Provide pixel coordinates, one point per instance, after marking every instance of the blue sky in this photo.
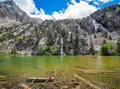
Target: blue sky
(62, 9)
(50, 6)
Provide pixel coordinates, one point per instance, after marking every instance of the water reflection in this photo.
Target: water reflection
(99, 63)
(28, 65)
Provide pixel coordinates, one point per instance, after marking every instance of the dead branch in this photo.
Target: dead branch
(24, 86)
(40, 79)
(95, 71)
(87, 82)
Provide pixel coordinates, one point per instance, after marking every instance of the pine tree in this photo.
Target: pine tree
(110, 37)
(91, 50)
(105, 34)
(104, 41)
(76, 46)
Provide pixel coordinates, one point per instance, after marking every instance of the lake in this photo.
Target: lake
(48, 65)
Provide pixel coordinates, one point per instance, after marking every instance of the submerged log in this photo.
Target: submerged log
(95, 71)
(87, 82)
(40, 79)
(24, 86)
(2, 76)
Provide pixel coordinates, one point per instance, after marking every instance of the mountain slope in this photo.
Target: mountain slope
(109, 18)
(70, 36)
(11, 13)
(8, 9)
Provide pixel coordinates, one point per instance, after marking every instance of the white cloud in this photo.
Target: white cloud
(27, 5)
(41, 15)
(75, 10)
(89, 0)
(98, 1)
(73, 1)
(105, 1)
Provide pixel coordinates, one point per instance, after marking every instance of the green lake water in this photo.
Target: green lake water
(42, 65)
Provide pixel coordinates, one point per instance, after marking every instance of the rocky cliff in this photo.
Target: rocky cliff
(21, 34)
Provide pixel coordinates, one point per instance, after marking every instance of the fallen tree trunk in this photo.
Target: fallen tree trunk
(95, 71)
(87, 82)
(40, 79)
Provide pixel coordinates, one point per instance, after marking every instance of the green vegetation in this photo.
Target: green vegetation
(3, 37)
(42, 50)
(118, 9)
(108, 49)
(105, 34)
(54, 50)
(110, 37)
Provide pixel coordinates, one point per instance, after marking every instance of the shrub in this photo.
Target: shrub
(118, 9)
(42, 49)
(4, 36)
(54, 50)
(108, 49)
(105, 34)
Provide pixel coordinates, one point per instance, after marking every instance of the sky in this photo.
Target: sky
(62, 9)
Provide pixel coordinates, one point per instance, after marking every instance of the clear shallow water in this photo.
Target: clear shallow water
(64, 67)
(38, 65)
